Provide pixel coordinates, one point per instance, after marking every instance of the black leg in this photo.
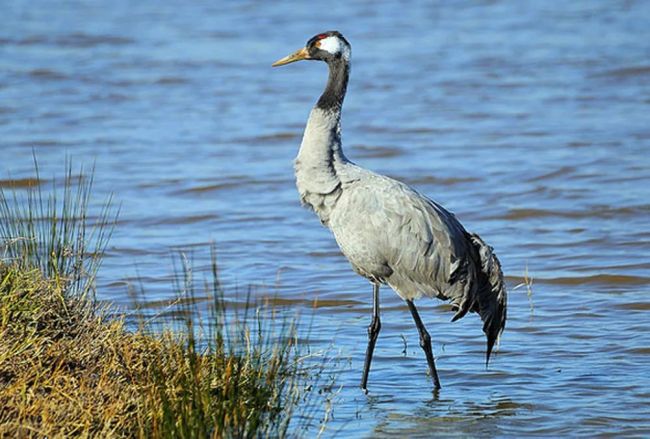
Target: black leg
(425, 343)
(373, 333)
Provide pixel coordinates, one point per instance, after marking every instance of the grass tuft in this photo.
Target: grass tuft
(69, 367)
(53, 231)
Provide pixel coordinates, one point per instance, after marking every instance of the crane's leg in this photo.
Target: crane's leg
(425, 343)
(373, 333)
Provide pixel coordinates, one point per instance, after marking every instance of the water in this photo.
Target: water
(528, 120)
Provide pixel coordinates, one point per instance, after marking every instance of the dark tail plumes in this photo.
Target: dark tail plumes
(491, 292)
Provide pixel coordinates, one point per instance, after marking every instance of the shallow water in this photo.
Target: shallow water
(529, 121)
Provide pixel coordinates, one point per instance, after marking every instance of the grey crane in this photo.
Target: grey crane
(390, 233)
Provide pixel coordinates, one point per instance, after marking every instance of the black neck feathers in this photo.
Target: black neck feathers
(337, 83)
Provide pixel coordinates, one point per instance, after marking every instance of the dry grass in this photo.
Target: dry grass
(68, 369)
(63, 370)
(528, 283)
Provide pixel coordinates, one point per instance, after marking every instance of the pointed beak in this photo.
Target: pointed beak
(298, 55)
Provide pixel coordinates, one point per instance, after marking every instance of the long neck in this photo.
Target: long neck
(320, 152)
(322, 139)
(337, 84)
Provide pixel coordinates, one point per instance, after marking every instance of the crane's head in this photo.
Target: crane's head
(327, 46)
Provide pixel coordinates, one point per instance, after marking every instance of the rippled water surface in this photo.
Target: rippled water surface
(529, 120)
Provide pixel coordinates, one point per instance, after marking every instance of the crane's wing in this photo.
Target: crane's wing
(427, 243)
(392, 233)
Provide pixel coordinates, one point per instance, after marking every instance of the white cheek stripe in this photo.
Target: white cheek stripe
(333, 45)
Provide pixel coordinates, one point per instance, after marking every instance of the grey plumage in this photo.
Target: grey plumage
(390, 233)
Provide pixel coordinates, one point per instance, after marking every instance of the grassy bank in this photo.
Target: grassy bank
(67, 369)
